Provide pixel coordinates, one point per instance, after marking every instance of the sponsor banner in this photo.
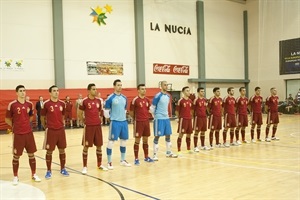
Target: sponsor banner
(104, 68)
(159, 68)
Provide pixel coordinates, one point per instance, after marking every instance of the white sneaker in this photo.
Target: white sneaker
(35, 178)
(155, 158)
(211, 147)
(102, 168)
(268, 140)
(260, 140)
(246, 141)
(253, 140)
(15, 180)
(219, 146)
(275, 138)
(234, 144)
(196, 149)
(238, 142)
(110, 166)
(125, 163)
(226, 145)
(84, 171)
(204, 148)
(171, 155)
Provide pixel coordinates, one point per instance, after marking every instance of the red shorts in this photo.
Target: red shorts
(68, 115)
(229, 120)
(92, 135)
(215, 122)
(141, 128)
(55, 137)
(200, 124)
(21, 141)
(242, 120)
(185, 126)
(256, 118)
(272, 118)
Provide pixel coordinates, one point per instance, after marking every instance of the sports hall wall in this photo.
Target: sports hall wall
(26, 35)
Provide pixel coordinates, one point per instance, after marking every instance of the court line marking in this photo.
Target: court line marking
(243, 166)
(109, 183)
(78, 172)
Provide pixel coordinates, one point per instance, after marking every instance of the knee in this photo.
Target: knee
(110, 144)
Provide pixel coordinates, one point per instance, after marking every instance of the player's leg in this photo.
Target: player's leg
(188, 142)
(225, 130)
(15, 165)
(274, 129)
(169, 153)
(136, 147)
(196, 149)
(62, 159)
(31, 149)
(237, 134)
(48, 159)
(109, 148)
(123, 138)
(179, 140)
(155, 148)
(146, 149)
(99, 158)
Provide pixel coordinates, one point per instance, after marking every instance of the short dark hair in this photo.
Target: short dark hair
(140, 85)
(184, 88)
(215, 89)
(256, 88)
(116, 81)
(272, 88)
(18, 87)
(241, 88)
(200, 88)
(89, 87)
(230, 88)
(50, 88)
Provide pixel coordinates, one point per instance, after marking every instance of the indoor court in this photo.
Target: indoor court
(263, 170)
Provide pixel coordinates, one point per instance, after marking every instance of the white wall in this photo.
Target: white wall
(224, 39)
(170, 48)
(86, 41)
(26, 34)
(270, 22)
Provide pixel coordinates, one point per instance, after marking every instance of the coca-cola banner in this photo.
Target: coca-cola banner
(171, 69)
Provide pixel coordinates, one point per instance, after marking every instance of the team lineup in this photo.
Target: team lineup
(193, 116)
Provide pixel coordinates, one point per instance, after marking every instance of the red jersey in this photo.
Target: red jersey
(200, 105)
(20, 114)
(184, 107)
(241, 105)
(215, 106)
(92, 109)
(69, 106)
(272, 103)
(229, 105)
(54, 112)
(256, 102)
(140, 107)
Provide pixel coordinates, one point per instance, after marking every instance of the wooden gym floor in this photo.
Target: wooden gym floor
(250, 171)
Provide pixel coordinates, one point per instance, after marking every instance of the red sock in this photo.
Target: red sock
(99, 157)
(179, 144)
(217, 134)
(237, 134)
(188, 143)
(15, 164)
(32, 164)
(243, 134)
(258, 132)
(211, 137)
(48, 160)
(195, 140)
(274, 131)
(231, 135)
(224, 135)
(146, 149)
(252, 133)
(136, 150)
(202, 138)
(62, 159)
(84, 157)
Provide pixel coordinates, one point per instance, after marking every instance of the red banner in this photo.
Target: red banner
(171, 69)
